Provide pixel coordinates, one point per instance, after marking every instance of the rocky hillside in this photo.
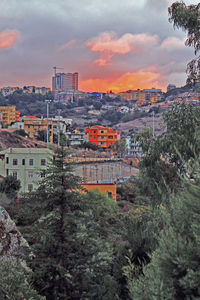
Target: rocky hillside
(11, 240)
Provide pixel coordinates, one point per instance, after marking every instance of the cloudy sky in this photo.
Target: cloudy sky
(113, 44)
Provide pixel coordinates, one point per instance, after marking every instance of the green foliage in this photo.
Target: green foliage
(174, 271)
(119, 147)
(10, 186)
(21, 132)
(73, 256)
(41, 135)
(63, 139)
(165, 157)
(15, 282)
(89, 145)
(110, 115)
(187, 18)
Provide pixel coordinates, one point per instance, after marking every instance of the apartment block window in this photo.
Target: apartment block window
(23, 162)
(30, 187)
(7, 160)
(15, 174)
(30, 162)
(43, 162)
(7, 172)
(30, 174)
(14, 162)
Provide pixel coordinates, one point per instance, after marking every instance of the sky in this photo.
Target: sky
(113, 44)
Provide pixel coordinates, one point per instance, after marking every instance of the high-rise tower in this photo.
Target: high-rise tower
(65, 81)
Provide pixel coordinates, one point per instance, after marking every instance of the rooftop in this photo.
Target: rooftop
(26, 151)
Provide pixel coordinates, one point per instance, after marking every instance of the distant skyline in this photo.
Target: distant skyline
(113, 45)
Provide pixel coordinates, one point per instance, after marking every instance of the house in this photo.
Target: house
(102, 136)
(75, 137)
(108, 189)
(26, 164)
(9, 114)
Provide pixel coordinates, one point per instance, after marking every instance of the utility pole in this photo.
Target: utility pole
(47, 102)
(58, 131)
(153, 125)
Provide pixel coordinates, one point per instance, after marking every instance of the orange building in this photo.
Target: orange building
(108, 189)
(102, 136)
(9, 114)
(33, 125)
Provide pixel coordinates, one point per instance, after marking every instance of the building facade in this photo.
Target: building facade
(65, 81)
(9, 114)
(102, 136)
(108, 189)
(75, 137)
(33, 126)
(26, 164)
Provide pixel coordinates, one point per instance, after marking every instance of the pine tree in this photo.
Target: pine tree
(15, 281)
(72, 260)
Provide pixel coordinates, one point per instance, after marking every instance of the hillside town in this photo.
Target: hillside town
(99, 150)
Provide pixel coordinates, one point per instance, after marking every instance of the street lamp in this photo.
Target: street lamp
(48, 102)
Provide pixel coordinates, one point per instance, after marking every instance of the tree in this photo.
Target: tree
(10, 186)
(174, 270)
(165, 157)
(15, 282)
(71, 260)
(119, 147)
(188, 18)
(41, 135)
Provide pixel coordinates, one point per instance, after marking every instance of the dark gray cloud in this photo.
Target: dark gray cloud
(45, 26)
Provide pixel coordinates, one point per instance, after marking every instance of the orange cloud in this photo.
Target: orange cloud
(145, 78)
(8, 38)
(108, 44)
(67, 45)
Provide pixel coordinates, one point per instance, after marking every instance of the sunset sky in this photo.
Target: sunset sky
(113, 44)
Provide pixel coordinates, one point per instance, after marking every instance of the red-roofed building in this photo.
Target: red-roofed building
(29, 118)
(102, 136)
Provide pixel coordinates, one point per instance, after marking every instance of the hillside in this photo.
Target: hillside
(9, 139)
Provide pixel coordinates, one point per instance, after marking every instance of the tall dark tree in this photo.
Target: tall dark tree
(72, 260)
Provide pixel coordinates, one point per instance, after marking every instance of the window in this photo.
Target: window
(30, 174)
(7, 172)
(30, 187)
(14, 162)
(30, 162)
(43, 162)
(15, 174)
(7, 160)
(23, 162)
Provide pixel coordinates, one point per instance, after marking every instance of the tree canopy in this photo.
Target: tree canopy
(188, 19)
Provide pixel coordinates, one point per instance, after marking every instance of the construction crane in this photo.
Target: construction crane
(55, 68)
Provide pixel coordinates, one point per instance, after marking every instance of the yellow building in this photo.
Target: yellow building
(154, 99)
(33, 125)
(9, 114)
(108, 189)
